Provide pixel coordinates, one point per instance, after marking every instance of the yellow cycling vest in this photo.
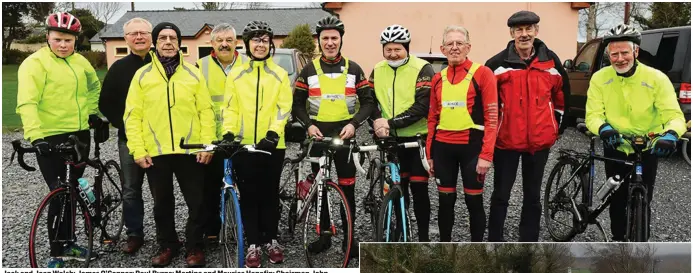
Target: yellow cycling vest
(454, 115)
(216, 82)
(395, 89)
(335, 101)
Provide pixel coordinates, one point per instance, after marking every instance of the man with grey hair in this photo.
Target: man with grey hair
(462, 122)
(531, 86)
(629, 98)
(214, 69)
(138, 36)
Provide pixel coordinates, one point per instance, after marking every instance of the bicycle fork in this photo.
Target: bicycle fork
(394, 174)
(326, 173)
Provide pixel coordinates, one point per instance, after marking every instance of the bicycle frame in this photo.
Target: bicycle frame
(230, 186)
(587, 162)
(325, 162)
(392, 164)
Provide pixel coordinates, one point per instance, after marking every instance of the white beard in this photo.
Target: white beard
(621, 71)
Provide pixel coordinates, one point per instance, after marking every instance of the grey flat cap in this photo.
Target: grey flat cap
(523, 18)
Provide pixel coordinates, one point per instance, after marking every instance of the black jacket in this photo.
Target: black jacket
(115, 89)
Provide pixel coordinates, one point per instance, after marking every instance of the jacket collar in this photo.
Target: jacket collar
(540, 49)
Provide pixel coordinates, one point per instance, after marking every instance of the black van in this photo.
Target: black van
(667, 49)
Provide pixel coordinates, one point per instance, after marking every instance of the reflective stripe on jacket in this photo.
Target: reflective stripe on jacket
(160, 111)
(56, 95)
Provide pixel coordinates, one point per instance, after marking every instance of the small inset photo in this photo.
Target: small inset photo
(526, 258)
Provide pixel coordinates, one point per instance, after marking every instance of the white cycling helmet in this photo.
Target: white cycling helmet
(395, 34)
(623, 32)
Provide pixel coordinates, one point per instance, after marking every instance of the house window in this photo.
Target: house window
(185, 50)
(121, 51)
(204, 51)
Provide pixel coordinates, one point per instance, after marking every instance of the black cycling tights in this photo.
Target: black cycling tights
(448, 159)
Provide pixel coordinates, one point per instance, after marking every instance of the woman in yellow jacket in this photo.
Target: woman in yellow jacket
(258, 101)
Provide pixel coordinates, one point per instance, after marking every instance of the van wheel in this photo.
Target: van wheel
(686, 151)
(569, 121)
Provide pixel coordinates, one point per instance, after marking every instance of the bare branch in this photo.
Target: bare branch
(105, 11)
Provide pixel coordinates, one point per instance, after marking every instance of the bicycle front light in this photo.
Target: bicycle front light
(337, 141)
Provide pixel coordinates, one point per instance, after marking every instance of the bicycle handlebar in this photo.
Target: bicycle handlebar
(388, 143)
(634, 141)
(71, 147)
(221, 146)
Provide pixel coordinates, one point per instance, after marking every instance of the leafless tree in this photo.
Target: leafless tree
(621, 258)
(596, 20)
(555, 258)
(215, 5)
(105, 11)
(257, 5)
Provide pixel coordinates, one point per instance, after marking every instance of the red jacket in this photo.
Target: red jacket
(530, 98)
(482, 105)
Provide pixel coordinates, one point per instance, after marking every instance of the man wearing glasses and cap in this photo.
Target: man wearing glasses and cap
(531, 86)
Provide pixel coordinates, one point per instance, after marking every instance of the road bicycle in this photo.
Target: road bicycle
(323, 201)
(570, 190)
(103, 216)
(231, 238)
(390, 219)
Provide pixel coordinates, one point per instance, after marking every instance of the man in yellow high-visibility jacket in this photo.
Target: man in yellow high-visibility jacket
(214, 69)
(632, 99)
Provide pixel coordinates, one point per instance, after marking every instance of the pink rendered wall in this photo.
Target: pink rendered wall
(486, 23)
(193, 45)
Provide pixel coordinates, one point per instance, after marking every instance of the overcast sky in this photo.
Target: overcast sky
(662, 248)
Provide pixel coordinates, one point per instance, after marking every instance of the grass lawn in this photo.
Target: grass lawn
(10, 119)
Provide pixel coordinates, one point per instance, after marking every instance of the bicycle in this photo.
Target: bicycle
(231, 233)
(388, 226)
(581, 172)
(99, 215)
(322, 194)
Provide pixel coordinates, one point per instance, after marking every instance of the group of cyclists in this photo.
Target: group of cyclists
(472, 115)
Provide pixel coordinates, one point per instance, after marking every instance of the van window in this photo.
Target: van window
(583, 62)
(658, 51)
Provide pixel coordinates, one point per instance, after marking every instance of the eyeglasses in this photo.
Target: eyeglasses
(163, 38)
(452, 44)
(260, 41)
(136, 33)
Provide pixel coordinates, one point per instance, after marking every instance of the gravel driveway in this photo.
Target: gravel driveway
(21, 192)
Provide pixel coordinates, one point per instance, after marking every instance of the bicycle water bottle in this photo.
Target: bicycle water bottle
(304, 186)
(609, 186)
(86, 189)
(386, 188)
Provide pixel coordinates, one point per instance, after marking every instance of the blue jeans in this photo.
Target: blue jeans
(133, 205)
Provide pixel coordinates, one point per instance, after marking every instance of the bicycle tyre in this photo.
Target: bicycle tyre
(387, 231)
(560, 201)
(638, 218)
(287, 201)
(340, 258)
(57, 195)
(686, 151)
(374, 210)
(231, 233)
(112, 202)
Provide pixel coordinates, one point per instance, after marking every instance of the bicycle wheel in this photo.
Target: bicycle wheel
(559, 218)
(58, 206)
(111, 207)
(231, 233)
(329, 245)
(375, 196)
(686, 150)
(637, 213)
(287, 201)
(393, 219)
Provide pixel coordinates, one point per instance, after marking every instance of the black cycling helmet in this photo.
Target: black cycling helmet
(256, 28)
(623, 32)
(330, 22)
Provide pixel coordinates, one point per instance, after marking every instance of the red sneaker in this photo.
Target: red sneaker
(252, 259)
(275, 252)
